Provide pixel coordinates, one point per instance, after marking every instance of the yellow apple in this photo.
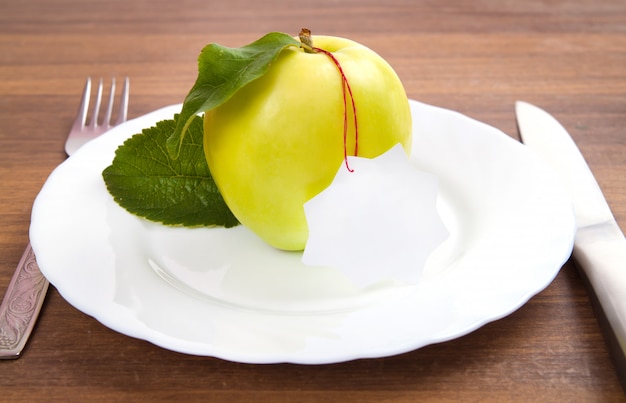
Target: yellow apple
(279, 140)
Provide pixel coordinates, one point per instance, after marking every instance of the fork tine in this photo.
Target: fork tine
(81, 115)
(106, 123)
(96, 108)
(123, 111)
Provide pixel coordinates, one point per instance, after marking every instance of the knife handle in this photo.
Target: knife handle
(21, 305)
(601, 251)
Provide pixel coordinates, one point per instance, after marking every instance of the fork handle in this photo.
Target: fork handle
(21, 305)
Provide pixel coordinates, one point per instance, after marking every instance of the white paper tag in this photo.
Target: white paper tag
(375, 223)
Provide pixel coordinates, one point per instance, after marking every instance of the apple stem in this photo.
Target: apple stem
(307, 44)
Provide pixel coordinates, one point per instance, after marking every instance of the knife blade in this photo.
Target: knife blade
(599, 244)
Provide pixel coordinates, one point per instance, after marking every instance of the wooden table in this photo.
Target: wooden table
(476, 57)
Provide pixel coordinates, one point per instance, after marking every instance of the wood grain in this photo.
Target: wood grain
(477, 57)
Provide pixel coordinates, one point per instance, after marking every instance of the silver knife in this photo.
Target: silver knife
(599, 245)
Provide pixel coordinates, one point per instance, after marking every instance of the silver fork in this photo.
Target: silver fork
(81, 133)
(24, 297)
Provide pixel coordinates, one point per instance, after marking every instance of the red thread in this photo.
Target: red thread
(344, 85)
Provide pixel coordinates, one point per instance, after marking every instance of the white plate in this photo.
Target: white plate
(224, 293)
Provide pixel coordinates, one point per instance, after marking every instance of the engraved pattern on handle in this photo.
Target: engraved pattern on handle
(21, 305)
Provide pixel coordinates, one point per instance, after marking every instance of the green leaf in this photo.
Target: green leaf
(146, 181)
(222, 71)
